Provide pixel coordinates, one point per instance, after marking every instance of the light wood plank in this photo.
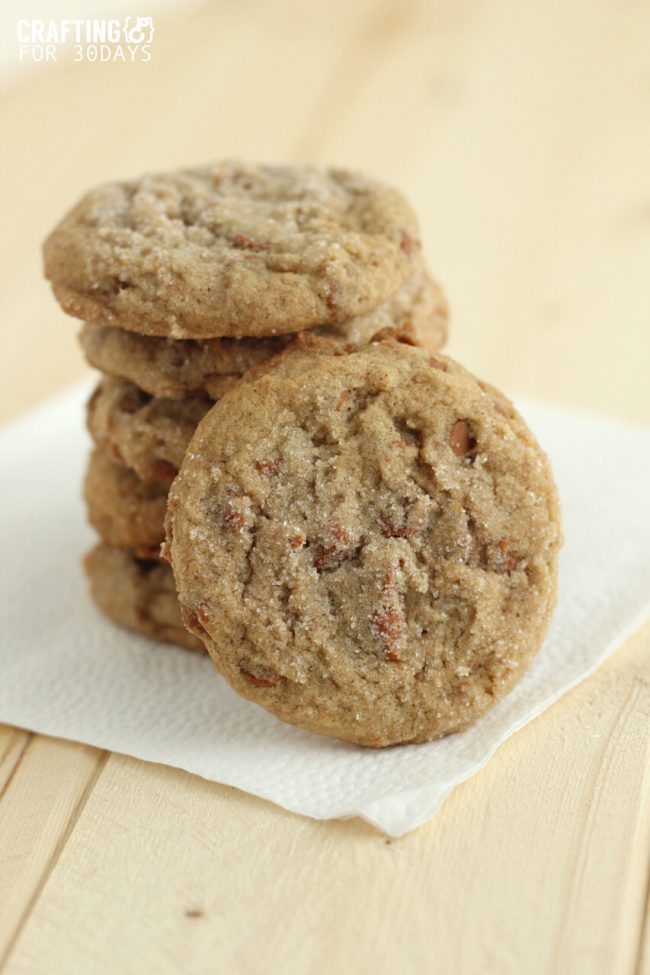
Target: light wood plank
(39, 804)
(643, 955)
(13, 742)
(520, 131)
(537, 865)
(534, 213)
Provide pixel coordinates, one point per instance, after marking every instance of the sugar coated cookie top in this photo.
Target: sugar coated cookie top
(366, 541)
(232, 249)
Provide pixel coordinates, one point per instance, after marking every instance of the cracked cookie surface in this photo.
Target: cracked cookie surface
(145, 433)
(124, 510)
(232, 249)
(138, 594)
(174, 368)
(376, 560)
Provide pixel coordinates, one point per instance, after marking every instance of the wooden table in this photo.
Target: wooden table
(521, 132)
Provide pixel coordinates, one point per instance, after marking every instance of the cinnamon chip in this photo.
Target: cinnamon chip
(270, 681)
(461, 439)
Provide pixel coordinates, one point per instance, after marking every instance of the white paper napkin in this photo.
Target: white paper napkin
(66, 671)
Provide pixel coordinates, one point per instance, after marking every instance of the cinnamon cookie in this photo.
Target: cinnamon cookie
(124, 510)
(232, 249)
(174, 368)
(147, 434)
(138, 594)
(376, 559)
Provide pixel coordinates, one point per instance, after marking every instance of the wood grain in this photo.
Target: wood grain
(520, 131)
(642, 966)
(13, 743)
(45, 785)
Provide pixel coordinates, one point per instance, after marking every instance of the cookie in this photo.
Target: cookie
(232, 249)
(376, 560)
(124, 510)
(176, 368)
(147, 434)
(138, 594)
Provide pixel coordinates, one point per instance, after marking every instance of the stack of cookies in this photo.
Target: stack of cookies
(362, 534)
(184, 282)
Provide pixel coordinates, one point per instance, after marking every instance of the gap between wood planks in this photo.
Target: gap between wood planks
(642, 964)
(59, 846)
(13, 764)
